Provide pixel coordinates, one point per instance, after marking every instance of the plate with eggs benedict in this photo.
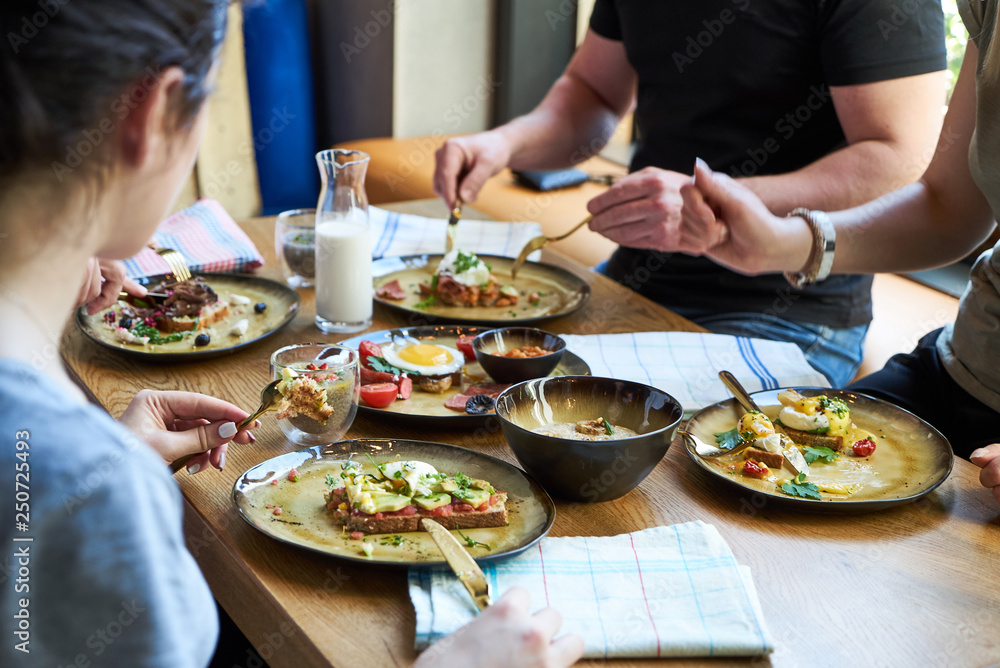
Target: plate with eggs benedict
(821, 449)
(465, 288)
(430, 376)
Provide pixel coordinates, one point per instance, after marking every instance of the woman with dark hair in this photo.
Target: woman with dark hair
(101, 115)
(952, 378)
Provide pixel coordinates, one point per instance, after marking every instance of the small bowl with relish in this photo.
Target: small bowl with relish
(515, 354)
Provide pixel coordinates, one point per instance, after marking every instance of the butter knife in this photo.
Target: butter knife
(452, 230)
(468, 571)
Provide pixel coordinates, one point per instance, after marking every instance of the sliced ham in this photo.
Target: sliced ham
(457, 402)
(491, 389)
(391, 290)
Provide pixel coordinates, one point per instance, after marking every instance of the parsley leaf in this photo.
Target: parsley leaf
(799, 487)
(727, 440)
(472, 543)
(607, 428)
(379, 364)
(463, 480)
(814, 454)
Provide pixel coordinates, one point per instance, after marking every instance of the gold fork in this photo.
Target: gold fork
(176, 262)
(541, 242)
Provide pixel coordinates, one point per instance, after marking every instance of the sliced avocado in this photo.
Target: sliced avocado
(482, 484)
(433, 501)
(449, 485)
(474, 497)
(387, 502)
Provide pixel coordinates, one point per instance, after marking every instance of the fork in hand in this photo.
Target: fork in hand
(539, 243)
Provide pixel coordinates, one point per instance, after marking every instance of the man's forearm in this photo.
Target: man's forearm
(846, 178)
(570, 125)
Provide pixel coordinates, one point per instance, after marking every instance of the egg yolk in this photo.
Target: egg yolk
(425, 354)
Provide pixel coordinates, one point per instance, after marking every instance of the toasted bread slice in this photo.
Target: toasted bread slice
(496, 516)
(814, 440)
(774, 460)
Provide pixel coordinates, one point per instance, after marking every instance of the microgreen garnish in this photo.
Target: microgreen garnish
(154, 335)
(472, 543)
(395, 541)
(426, 303)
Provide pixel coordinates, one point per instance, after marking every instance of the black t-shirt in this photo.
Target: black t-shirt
(744, 84)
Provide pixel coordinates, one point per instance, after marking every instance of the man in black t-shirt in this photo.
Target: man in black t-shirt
(823, 104)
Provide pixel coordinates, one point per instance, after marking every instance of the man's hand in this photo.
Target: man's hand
(506, 635)
(643, 210)
(180, 423)
(463, 165)
(988, 459)
(103, 283)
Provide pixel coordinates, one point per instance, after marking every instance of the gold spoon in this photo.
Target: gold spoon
(269, 397)
(540, 242)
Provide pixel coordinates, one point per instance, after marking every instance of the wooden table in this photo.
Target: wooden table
(910, 586)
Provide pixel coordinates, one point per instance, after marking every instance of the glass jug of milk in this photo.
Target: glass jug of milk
(343, 244)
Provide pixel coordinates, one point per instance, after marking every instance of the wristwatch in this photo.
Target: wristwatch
(824, 245)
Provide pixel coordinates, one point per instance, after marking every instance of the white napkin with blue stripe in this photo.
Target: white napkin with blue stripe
(395, 234)
(665, 591)
(686, 365)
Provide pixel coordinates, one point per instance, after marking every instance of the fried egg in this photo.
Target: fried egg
(428, 359)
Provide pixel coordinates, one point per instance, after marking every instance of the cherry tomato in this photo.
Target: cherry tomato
(864, 448)
(755, 469)
(465, 345)
(379, 395)
(368, 349)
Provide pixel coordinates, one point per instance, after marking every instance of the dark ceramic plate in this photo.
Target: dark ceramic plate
(424, 409)
(588, 471)
(304, 522)
(560, 292)
(911, 457)
(282, 306)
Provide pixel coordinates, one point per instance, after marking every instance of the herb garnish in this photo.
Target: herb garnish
(463, 480)
(814, 454)
(471, 542)
(395, 541)
(380, 467)
(727, 440)
(379, 364)
(331, 481)
(434, 282)
(799, 487)
(607, 428)
(154, 334)
(426, 303)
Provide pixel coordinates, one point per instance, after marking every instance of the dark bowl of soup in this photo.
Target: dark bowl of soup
(588, 439)
(514, 354)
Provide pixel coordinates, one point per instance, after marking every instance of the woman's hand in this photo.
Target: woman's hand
(737, 231)
(180, 423)
(103, 283)
(506, 635)
(988, 459)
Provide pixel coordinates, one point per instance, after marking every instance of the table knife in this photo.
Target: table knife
(452, 231)
(468, 571)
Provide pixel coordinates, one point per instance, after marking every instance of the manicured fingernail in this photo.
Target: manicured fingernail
(194, 468)
(977, 453)
(256, 424)
(701, 163)
(253, 439)
(227, 430)
(222, 462)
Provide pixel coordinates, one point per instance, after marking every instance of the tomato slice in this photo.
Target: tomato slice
(465, 345)
(379, 395)
(368, 349)
(863, 448)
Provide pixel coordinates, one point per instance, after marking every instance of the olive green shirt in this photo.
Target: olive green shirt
(970, 348)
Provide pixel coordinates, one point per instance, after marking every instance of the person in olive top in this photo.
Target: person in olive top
(104, 577)
(952, 378)
(817, 104)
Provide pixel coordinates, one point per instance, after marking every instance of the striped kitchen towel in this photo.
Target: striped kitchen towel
(662, 592)
(206, 235)
(686, 365)
(395, 234)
